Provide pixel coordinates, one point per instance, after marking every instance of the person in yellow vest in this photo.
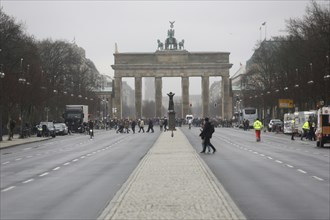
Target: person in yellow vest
(305, 129)
(257, 125)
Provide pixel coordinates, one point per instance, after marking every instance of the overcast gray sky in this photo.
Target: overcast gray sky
(228, 26)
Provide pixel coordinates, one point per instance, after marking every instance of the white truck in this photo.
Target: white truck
(74, 116)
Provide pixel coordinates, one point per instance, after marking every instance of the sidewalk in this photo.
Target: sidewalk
(18, 141)
(172, 182)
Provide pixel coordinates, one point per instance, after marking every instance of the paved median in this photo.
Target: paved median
(172, 182)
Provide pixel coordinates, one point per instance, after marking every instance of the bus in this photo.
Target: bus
(250, 114)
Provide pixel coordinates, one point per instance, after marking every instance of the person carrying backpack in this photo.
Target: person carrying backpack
(206, 135)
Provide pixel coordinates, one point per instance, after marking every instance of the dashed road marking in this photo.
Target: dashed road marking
(67, 163)
(44, 174)
(29, 180)
(7, 189)
(318, 178)
(270, 158)
(288, 165)
(301, 171)
(56, 168)
(4, 163)
(278, 161)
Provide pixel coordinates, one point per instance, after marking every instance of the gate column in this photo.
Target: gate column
(118, 85)
(138, 96)
(158, 96)
(205, 95)
(227, 101)
(185, 95)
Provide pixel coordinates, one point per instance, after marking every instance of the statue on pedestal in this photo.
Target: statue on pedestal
(171, 102)
(171, 113)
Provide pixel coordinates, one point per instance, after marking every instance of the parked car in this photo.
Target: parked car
(61, 129)
(46, 129)
(275, 125)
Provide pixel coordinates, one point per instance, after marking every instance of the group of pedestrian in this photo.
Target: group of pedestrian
(308, 130)
(126, 125)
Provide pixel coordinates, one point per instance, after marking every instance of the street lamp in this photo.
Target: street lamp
(296, 85)
(2, 75)
(311, 81)
(327, 76)
(22, 81)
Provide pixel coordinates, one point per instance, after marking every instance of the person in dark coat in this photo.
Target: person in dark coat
(150, 126)
(206, 135)
(133, 124)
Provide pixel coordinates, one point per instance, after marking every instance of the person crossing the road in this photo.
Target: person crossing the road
(206, 135)
(305, 129)
(257, 125)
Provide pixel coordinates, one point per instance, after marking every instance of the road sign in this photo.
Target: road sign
(285, 103)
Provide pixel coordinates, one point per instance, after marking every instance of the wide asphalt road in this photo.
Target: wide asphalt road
(70, 177)
(273, 179)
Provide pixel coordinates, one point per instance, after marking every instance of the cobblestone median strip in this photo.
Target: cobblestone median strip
(172, 182)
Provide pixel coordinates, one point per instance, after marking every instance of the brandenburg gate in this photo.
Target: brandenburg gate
(172, 61)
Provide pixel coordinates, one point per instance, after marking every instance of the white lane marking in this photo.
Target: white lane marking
(262, 155)
(82, 157)
(270, 158)
(29, 156)
(57, 168)
(318, 178)
(44, 174)
(278, 161)
(28, 148)
(301, 171)
(67, 163)
(6, 163)
(288, 165)
(7, 189)
(18, 159)
(29, 180)
(255, 152)
(75, 160)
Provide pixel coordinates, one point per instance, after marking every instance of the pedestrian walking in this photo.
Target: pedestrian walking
(293, 128)
(11, 126)
(161, 124)
(305, 129)
(141, 125)
(150, 126)
(311, 134)
(206, 135)
(133, 124)
(126, 126)
(257, 125)
(165, 124)
(91, 129)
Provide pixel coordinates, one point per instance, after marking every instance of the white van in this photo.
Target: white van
(323, 126)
